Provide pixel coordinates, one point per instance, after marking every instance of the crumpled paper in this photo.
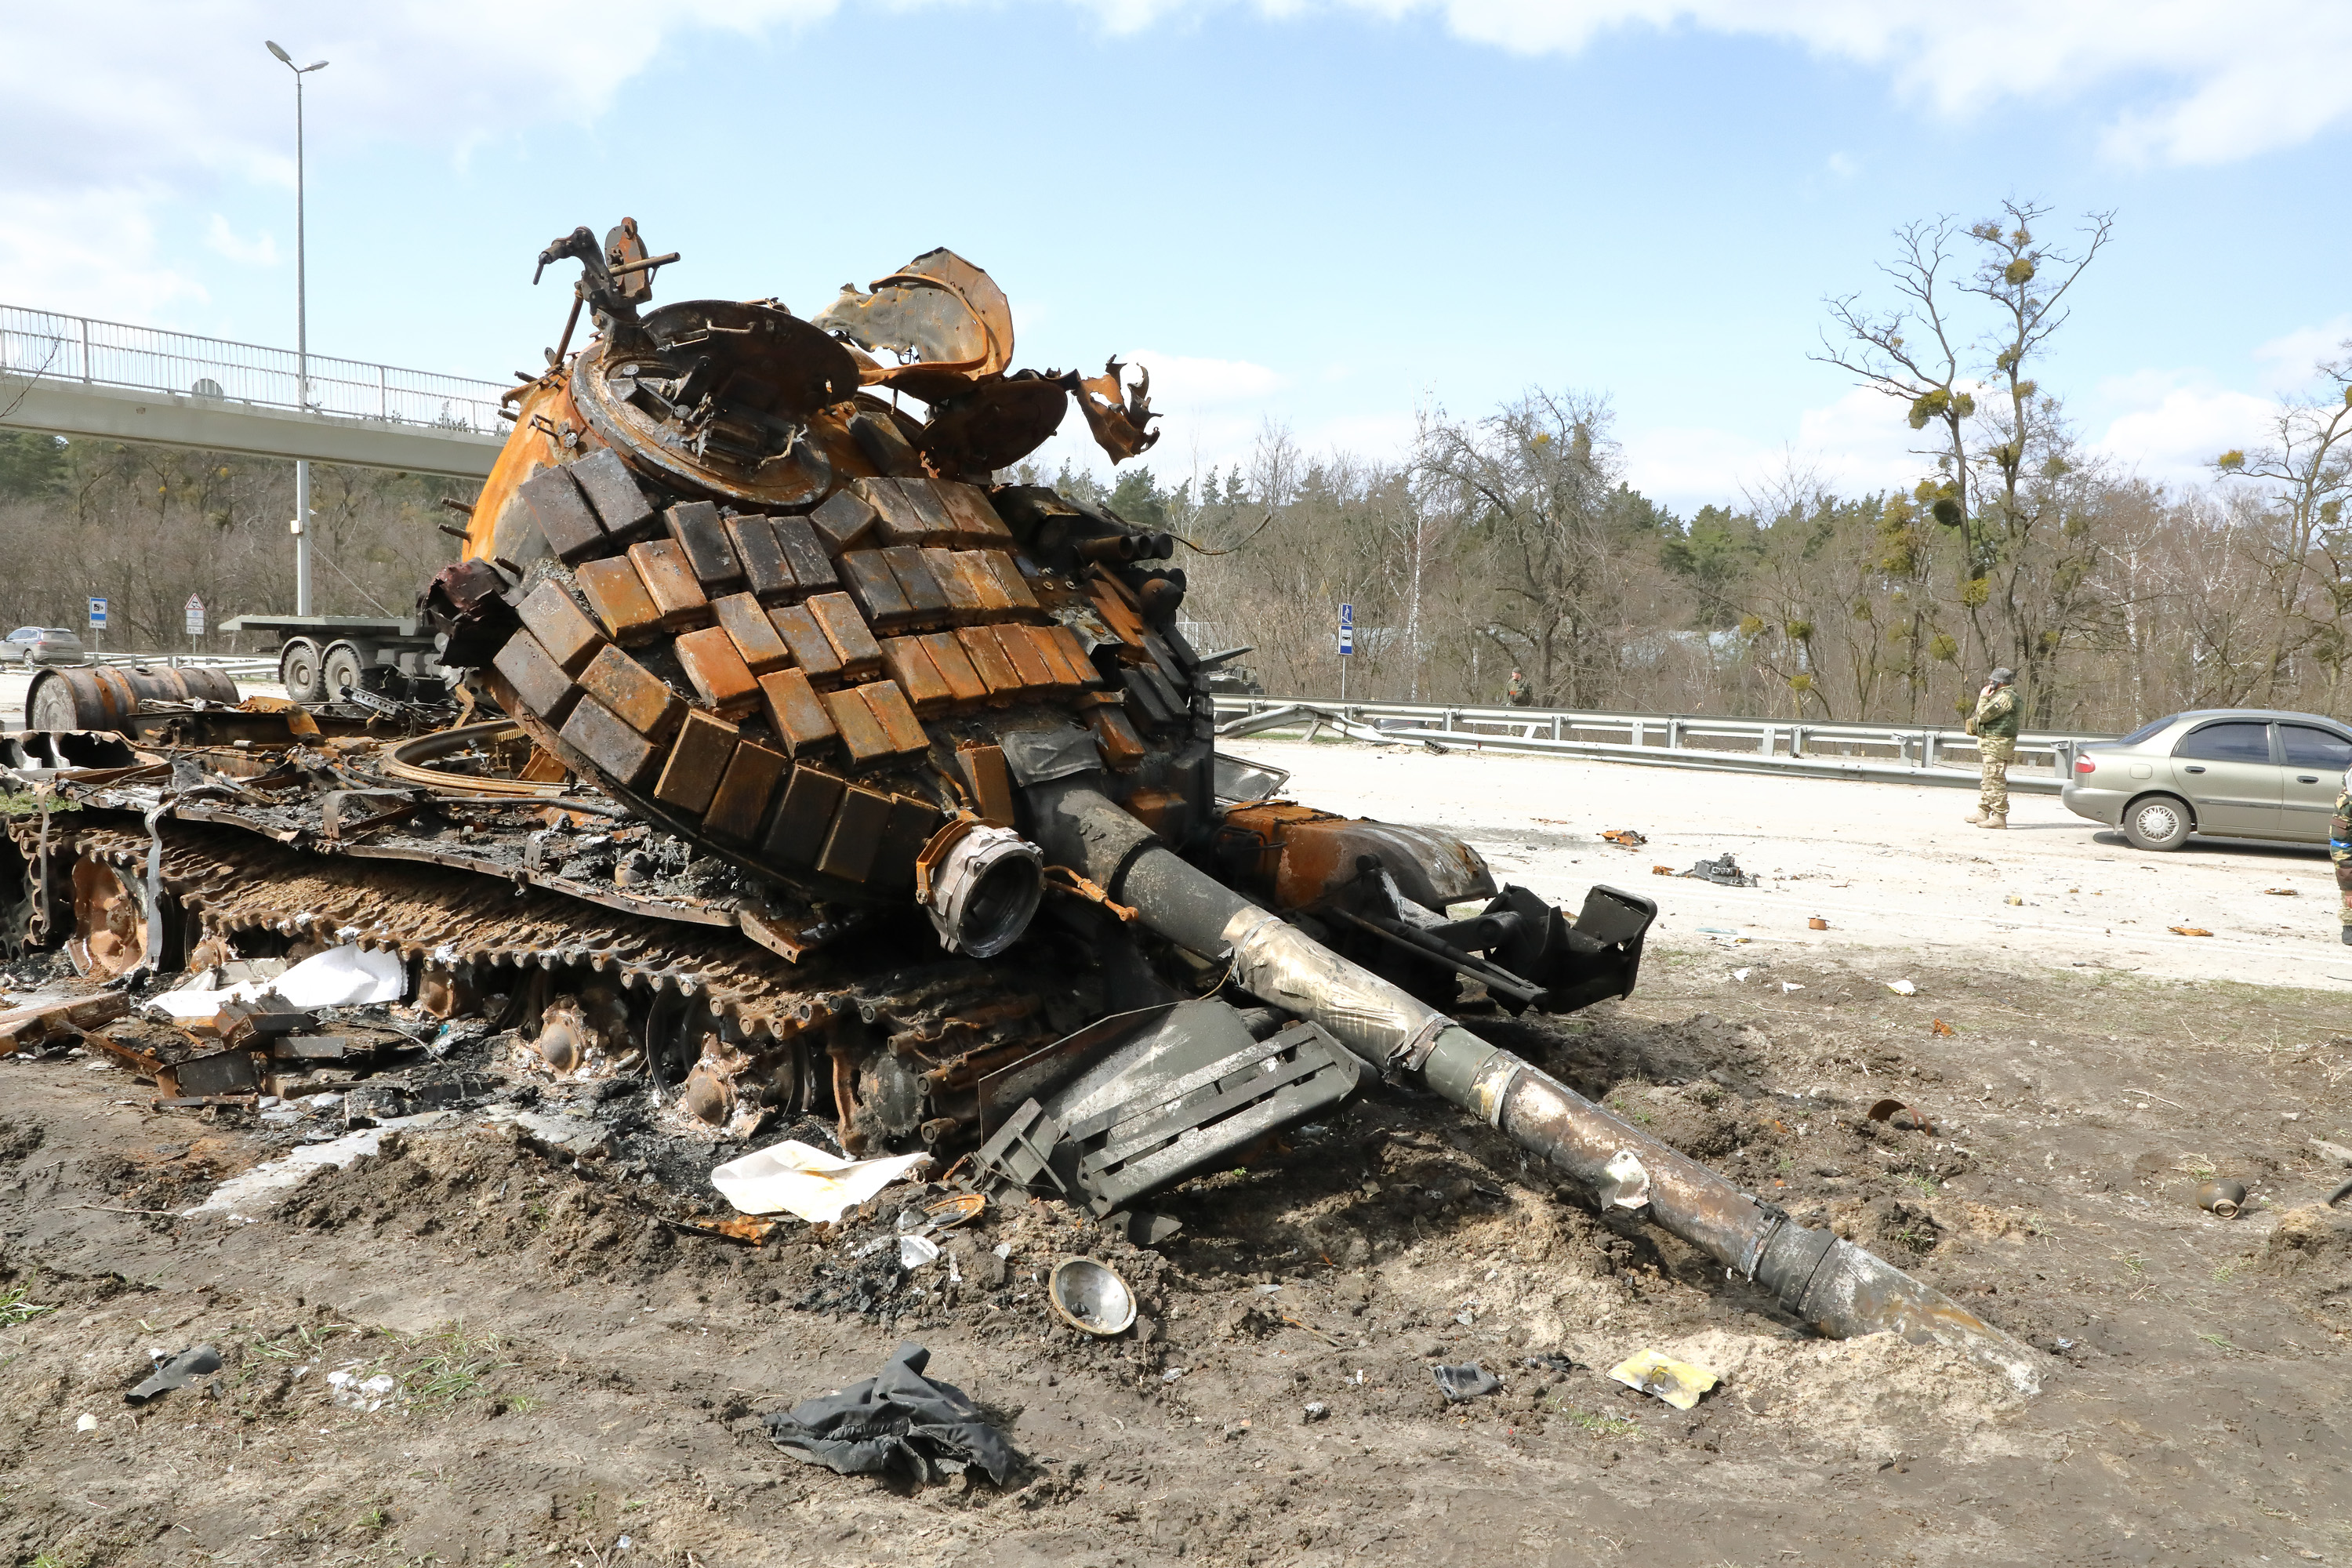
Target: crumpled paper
(1678, 1383)
(340, 977)
(798, 1179)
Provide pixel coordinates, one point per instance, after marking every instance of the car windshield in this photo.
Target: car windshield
(2145, 730)
(24, 634)
(2231, 740)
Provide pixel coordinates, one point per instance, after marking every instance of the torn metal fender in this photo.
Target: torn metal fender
(939, 311)
(1119, 417)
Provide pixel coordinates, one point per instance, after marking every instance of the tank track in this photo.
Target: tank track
(899, 1048)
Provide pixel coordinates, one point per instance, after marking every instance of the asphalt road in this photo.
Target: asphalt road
(1892, 869)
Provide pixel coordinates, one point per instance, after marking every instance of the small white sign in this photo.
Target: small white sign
(98, 612)
(196, 616)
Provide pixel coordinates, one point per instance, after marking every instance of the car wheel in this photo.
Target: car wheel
(2157, 821)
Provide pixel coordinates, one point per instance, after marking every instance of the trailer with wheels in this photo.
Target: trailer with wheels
(320, 656)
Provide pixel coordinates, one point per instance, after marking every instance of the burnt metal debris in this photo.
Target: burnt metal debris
(784, 761)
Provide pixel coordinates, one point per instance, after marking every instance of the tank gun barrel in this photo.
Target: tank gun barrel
(1839, 1289)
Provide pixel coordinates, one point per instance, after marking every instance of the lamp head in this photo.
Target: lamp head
(281, 54)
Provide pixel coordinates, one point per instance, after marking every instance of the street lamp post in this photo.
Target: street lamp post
(302, 343)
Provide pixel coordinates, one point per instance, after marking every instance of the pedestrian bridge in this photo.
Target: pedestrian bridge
(78, 376)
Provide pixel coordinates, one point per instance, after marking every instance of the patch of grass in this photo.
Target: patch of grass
(14, 1309)
(1925, 1185)
(307, 1342)
(523, 1404)
(1600, 1423)
(2135, 1265)
(536, 1213)
(2227, 1272)
(452, 1364)
(2218, 1341)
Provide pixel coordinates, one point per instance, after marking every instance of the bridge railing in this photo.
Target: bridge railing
(59, 347)
(1792, 748)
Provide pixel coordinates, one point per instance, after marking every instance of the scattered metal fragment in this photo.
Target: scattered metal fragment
(1723, 870)
(2222, 1199)
(1091, 1298)
(1463, 1383)
(175, 1371)
(1624, 837)
(1887, 1111)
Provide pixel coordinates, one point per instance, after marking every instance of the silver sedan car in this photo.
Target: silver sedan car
(2230, 773)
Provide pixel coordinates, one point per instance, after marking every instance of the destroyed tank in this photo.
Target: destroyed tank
(830, 774)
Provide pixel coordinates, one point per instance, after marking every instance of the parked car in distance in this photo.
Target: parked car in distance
(2231, 773)
(43, 644)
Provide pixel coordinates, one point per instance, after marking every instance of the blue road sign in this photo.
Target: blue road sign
(1346, 630)
(98, 612)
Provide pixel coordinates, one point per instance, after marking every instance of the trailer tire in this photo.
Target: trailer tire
(339, 669)
(302, 671)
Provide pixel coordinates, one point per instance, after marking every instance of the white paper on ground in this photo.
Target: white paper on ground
(340, 977)
(800, 1180)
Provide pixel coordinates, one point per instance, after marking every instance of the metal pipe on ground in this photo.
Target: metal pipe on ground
(1839, 1289)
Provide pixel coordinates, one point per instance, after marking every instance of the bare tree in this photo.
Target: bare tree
(2304, 472)
(1533, 487)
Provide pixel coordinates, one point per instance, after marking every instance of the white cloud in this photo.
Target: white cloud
(114, 113)
(261, 251)
(2212, 83)
(1855, 445)
(1186, 382)
(2173, 424)
(2287, 359)
(87, 253)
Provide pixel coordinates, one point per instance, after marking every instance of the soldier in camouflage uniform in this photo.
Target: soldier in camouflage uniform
(1994, 724)
(2340, 850)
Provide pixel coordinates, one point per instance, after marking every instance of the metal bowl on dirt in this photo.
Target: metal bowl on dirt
(1090, 1297)
(2223, 1199)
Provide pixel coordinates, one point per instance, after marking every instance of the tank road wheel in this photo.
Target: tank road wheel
(343, 666)
(301, 670)
(109, 920)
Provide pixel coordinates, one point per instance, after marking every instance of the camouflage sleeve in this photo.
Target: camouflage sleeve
(2002, 704)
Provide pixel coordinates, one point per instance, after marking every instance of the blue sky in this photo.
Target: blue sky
(1323, 215)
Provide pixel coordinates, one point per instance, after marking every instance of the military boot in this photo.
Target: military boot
(1975, 819)
(2347, 936)
(1983, 821)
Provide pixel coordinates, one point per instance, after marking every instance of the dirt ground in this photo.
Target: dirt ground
(565, 1375)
